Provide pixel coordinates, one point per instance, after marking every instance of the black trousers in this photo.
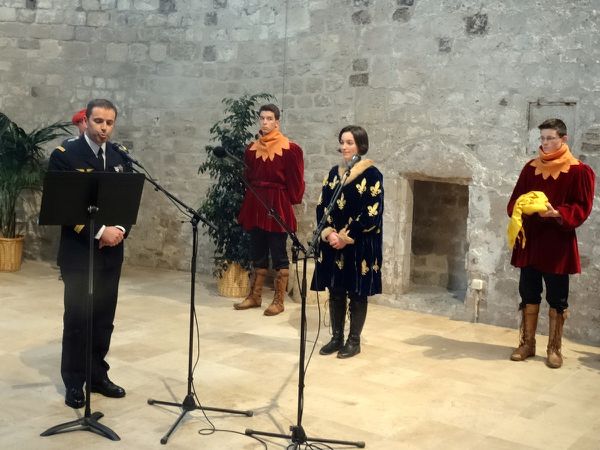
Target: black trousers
(557, 288)
(263, 243)
(106, 286)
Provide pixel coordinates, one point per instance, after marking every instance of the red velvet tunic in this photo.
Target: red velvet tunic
(551, 244)
(279, 182)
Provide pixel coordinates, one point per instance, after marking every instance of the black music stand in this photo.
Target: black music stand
(71, 198)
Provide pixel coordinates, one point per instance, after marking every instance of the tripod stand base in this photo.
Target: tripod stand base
(298, 437)
(189, 404)
(86, 423)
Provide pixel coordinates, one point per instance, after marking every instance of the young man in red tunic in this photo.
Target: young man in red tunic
(550, 251)
(275, 168)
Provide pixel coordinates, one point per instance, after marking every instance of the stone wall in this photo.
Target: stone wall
(449, 91)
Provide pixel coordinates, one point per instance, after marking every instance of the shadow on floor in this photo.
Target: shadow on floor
(445, 348)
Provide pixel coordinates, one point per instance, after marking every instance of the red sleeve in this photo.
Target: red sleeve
(247, 162)
(294, 174)
(578, 205)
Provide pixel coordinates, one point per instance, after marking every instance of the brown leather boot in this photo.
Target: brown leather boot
(281, 280)
(527, 333)
(557, 321)
(254, 298)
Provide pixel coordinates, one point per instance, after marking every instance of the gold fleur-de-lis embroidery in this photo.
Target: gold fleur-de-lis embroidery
(362, 186)
(376, 266)
(329, 219)
(364, 268)
(325, 181)
(341, 202)
(375, 190)
(334, 183)
(373, 209)
(340, 262)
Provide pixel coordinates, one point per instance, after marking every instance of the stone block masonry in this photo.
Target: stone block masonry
(443, 88)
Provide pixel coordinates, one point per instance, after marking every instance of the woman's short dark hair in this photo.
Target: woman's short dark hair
(99, 103)
(361, 138)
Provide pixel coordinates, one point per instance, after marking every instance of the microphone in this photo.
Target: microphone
(355, 158)
(221, 152)
(124, 152)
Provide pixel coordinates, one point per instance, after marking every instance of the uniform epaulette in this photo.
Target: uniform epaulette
(61, 148)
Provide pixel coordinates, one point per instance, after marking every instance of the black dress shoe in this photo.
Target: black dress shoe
(108, 388)
(74, 398)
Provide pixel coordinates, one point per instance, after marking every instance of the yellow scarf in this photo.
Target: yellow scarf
(530, 203)
(269, 145)
(555, 163)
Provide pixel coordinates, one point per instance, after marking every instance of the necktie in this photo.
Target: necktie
(101, 157)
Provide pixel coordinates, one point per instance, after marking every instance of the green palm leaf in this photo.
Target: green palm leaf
(21, 165)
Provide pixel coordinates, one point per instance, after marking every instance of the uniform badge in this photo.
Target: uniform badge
(118, 168)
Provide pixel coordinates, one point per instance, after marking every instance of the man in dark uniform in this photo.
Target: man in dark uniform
(90, 152)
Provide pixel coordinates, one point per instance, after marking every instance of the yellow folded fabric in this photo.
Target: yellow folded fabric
(528, 204)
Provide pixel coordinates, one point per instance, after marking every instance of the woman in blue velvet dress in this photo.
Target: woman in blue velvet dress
(349, 259)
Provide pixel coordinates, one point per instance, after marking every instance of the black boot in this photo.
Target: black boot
(337, 316)
(358, 315)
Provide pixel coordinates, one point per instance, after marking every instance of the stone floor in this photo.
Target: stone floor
(421, 382)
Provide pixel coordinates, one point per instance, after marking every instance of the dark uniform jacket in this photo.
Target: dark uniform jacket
(76, 155)
(357, 215)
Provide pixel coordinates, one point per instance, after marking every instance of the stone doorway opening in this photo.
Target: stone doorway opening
(439, 238)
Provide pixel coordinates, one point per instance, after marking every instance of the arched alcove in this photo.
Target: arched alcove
(427, 209)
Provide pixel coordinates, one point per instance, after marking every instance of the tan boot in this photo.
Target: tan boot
(526, 346)
(557, 321)
(281, 280)
(254, 298)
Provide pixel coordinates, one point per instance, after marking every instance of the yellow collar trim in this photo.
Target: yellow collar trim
(269, 145)
(358, 169)
(555, 163)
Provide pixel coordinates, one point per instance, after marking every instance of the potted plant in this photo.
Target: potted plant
(225, 196)
(22, 166)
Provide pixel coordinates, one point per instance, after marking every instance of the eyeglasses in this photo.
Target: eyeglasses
(548, 139)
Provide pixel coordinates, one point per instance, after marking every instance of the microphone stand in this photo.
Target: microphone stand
(298, 435)
(189, 402)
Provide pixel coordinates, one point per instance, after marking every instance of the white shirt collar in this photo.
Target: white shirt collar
(95, 147)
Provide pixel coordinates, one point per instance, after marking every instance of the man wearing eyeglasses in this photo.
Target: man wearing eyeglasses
(548, 249)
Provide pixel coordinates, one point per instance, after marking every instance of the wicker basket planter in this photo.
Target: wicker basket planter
(234, 281)
(11, 254)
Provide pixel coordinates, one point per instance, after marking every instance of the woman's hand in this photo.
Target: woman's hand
(335, 241)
